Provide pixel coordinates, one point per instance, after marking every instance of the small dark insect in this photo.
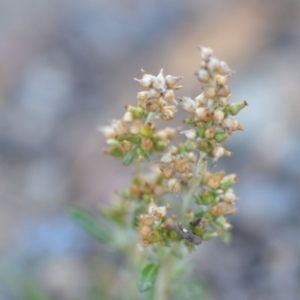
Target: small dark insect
(184, 233)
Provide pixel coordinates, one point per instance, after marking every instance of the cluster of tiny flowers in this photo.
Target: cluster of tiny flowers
(182, 168)
(134, 136)
(159, 96)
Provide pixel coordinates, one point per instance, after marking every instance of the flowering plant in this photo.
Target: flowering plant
(174, 202)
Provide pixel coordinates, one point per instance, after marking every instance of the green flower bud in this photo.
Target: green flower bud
(146, 131)
(137, 112)
(221, 136)
(160, 146)
(235, 108)
(228, 181)
(154, 236)
(209, 235)
(135, 138)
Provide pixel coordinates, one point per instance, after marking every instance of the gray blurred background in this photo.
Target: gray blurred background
(68, 66)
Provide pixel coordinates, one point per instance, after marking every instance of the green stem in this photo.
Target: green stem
(162, 283)
(196, 181)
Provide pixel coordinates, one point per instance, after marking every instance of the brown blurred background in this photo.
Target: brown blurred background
(68, 66)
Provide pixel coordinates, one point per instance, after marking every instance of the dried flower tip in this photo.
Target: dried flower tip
(107, 131)
(191, 134)
(169, 96)
(174, 186)
(219, 152)
(218, 116)
(203, 114)
(237, 126)
(192, 157)
(143, 229)
(146, 144)
(153, 94)
(221, 80)
(146, 80)
(186, 176)
(167, 158)
(209, 92)
(223, 209)
(142, 96)
(173, 150)
(210, 133)
(188, 104)
(230, 197)
(223, 91)
(181, 164)
(201, 100)
(146, 220)
(171, 132)
(172, 80)
(205, 52)
(125, 146)
(159, 82)
(128, 117)
(213, 65)
(203, 75)
(168, 112)
(167, 172)
(214, 180)
(143, 243)
(224, 68)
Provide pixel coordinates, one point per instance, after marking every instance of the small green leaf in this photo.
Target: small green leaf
(90, 223)
(147, 277)
(128, 158)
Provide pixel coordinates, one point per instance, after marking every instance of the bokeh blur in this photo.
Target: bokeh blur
(68, 66)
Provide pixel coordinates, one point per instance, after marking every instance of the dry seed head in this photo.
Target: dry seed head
(218, 116)
(203, 75)
(213, 65)
(152, 105)
(146, 144)
(143, 96)
(172, 80)
(143, 229)
(159, 82)
(167, 172)
(143, 243)
(146, 220)
(153, 94)
(209, 92)
(125, 146)
(224, 68)
(174, 186)
(181, 164)
(201, 100)
(191, 134)
(108, 131)
(223, 91)
(146, 81)
(205, 52)
(210, 133)
(214, 181)
(169, 96)
(128, 117)
(188, 104)
(221, 80)
(222, 209)
(167, 113)
(167, 158)
(186, 176)
(203, 114)
(230, 197)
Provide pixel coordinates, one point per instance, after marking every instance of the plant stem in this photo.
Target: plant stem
(196, 181)
(162, 282)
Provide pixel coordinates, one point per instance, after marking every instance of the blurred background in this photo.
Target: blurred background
(68, 66)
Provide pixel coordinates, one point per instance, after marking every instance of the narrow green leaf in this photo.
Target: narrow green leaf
(128, 158)
(147, 277)
(90, 223)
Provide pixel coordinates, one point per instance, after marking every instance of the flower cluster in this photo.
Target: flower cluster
(134, 136)
(182, 168)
